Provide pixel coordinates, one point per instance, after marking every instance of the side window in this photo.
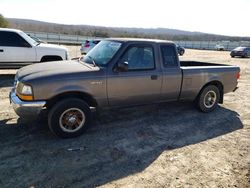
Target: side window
(169, 56)
(12, 39)
(139, 58)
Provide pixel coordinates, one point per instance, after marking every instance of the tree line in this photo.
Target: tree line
(105, 32)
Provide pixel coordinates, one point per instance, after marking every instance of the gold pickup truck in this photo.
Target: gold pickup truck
(116, 73)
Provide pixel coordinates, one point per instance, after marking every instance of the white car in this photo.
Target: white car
(87, 45)
(17, 49)
(219, 47)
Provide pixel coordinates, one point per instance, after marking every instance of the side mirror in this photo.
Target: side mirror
(122, 67)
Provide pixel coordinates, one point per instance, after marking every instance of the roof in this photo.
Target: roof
(139, 40)
(9, 29)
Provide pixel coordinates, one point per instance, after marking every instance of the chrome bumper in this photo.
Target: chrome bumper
(24, 108)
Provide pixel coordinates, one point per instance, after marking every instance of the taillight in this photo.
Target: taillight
(87, 45)
(238, 75)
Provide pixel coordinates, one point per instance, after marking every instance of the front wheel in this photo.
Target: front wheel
(208, 99)
(182, 52)
(69, 118)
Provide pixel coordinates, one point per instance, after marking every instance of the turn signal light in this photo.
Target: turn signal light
(25, 97)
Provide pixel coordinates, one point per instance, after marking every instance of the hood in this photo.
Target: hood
(54, 70)
(52, 46)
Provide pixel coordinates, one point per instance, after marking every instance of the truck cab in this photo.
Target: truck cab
(151, 73)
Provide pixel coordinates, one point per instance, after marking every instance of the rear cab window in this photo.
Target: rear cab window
(169, 55)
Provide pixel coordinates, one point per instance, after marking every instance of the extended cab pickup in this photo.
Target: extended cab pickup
(18, 49)
(117, 72)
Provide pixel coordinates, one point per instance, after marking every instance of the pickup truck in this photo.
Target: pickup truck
(117, 73)
(17, 49)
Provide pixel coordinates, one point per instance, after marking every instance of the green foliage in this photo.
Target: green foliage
(3, 21)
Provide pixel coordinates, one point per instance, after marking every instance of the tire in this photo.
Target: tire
(232, 56)
(181, 52)
(208, 99)
(69, 118)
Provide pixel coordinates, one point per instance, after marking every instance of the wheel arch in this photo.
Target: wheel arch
(89, 99)
(219, 85)
(51, 58)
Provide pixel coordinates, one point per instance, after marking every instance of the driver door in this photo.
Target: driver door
(140, 83)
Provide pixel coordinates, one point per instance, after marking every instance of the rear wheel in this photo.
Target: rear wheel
(69, 118)
(208, 99)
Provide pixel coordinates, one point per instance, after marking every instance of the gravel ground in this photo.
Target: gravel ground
(166, 145)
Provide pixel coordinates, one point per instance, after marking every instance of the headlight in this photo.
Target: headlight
(24, 92)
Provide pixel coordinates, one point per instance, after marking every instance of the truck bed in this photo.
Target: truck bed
(195, 74)
(198, 64)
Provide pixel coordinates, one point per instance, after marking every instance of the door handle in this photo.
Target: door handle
(154, 77)
(1, 50)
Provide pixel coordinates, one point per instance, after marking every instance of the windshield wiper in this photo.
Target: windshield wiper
(92, 60)
(80, 59)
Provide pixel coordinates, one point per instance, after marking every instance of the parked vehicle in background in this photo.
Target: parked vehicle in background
(87, 45)
(17, 49)
(219, 47)
(180, 49)
(116, 73)
(241, 52)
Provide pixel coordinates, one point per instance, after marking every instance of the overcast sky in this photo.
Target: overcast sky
(226, 17)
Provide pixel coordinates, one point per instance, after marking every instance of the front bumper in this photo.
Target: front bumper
(25, 108)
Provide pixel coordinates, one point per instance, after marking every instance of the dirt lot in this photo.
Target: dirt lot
(74, 51)
(167, 145)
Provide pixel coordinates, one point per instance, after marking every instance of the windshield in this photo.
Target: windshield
(28, 38)
(102, 53)
(240, 48)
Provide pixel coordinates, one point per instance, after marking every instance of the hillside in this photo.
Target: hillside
(98, 31)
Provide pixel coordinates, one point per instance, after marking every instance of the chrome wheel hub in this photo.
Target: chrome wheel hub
(72, 120)
(210, 99)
